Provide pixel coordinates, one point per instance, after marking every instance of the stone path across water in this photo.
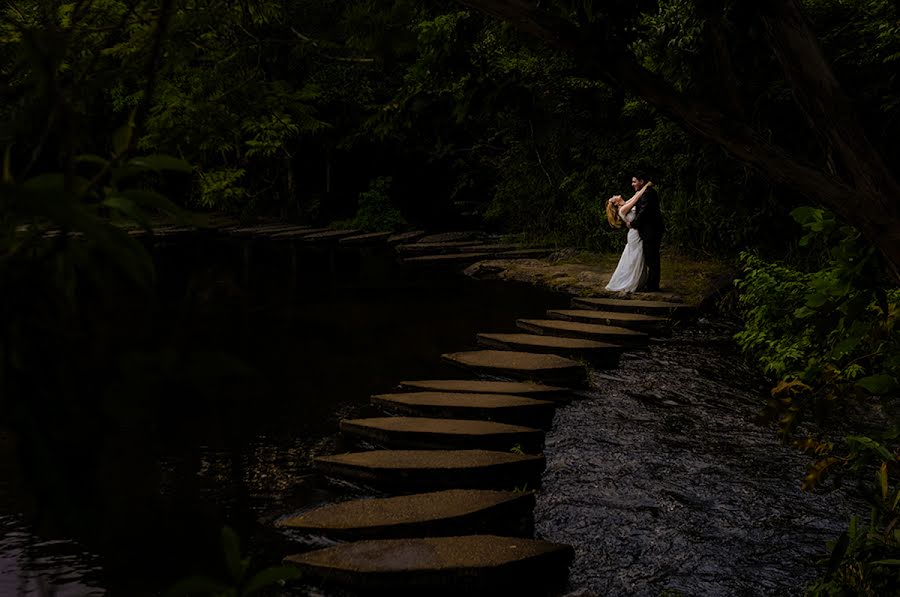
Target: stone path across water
(499, 422)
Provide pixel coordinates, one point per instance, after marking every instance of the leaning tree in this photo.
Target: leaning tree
(851, 178)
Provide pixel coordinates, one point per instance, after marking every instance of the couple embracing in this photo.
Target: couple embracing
(638, 268)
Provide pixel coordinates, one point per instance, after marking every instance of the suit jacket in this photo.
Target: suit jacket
(648, 218)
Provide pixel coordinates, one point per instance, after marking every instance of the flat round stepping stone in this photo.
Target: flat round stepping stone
(440, 513)
(464, 258)
(466, 565)
(405, 237)
(428, 469)
(421, 433)
(573, 329)
(505, 408)
(659, 308)
(267, 229)
(636, 321)
(602, 353)
(438, 248)
(298, 233)
(479, 386)
(365, 239)
(548, 368)
(329, 236)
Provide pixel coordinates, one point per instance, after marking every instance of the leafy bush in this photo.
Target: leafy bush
(376, 212)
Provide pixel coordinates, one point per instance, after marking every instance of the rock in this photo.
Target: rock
(365, 239)
(636, 321)
(657, 308)
(423, 433)
(476, 386)
(466, 565)
(548, 368)
(489, 407)
(440, 513)
(599, 353)
(572, 329)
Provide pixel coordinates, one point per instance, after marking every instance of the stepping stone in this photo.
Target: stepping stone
(466, 565)
(428, 469)
(265, 230)
(420, 433)
(548, 368)
(365, 239)
(405, 237)
(438, 248)
(637, 321)
(329, 236)
(597, 352)
(451, 237)
(465, 258)
(298, 233)
(573, 329)
(505, 408)
(658, 308)
(478, 386)
(441, 513)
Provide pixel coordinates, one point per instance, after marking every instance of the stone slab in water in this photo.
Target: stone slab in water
(465, 258)
(449, 237)
(592, 331)
(636, 321)
(602, 353)
(440, 513)
(365, 239)
(405, 237)
(659, 308)
(505, 408)
(465, 565)
(298, 233)
(548, 368)
(479, 386)
(329, 236)
(424, 433)
(439, 248)
(432, 469)
(267, 229)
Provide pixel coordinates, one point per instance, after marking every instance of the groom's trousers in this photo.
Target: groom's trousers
(651, 259)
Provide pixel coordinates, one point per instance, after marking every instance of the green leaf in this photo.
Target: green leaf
(270, 576)
(870, 444)
(89, 158)
(160, 162)
(197, 585)
(232, 550)
(878, 385)
(127, 208)
(152, 200)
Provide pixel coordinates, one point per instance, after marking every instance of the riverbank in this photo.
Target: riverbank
(585, 273)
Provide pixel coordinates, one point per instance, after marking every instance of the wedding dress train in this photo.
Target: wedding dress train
(631, 273)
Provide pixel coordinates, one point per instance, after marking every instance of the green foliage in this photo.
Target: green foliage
(376, 212)
(830, 335)
(239, 583)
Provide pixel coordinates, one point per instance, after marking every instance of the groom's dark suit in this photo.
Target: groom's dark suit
(648, 221)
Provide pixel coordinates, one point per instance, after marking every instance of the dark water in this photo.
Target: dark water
(662, 482)
(659, 478)
(320, 331)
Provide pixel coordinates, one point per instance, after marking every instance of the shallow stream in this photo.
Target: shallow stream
(659, 478)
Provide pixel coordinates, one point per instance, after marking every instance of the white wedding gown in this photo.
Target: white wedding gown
(631, 273)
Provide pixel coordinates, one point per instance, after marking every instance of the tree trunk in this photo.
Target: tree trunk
(863, 192)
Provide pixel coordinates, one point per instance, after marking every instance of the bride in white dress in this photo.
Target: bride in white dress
(631, 273)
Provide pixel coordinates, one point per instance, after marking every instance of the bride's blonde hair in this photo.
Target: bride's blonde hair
(612, 215)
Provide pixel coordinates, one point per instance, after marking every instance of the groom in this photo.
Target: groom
(648, 221)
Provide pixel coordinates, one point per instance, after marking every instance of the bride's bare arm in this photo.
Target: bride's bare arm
(634, 199)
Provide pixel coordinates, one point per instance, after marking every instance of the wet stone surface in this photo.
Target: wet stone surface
(664, 482)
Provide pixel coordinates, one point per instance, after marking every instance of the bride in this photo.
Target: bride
(631, 273)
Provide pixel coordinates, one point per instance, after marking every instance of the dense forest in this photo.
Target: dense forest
(768, 128)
